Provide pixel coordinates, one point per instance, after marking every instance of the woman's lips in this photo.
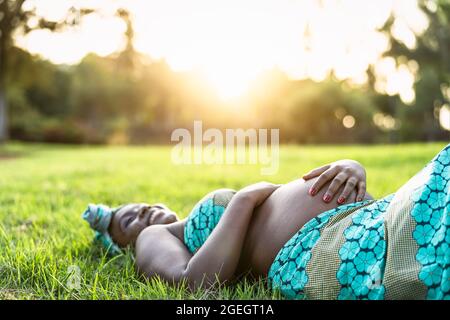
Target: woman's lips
(160, 216)
(154, 215)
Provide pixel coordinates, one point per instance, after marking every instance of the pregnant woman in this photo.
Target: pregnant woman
(307, 243)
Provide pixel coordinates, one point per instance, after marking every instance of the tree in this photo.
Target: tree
(432, 54)
(14, 16)
(128, 55)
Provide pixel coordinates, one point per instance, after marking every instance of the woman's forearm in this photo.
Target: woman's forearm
(219, 256)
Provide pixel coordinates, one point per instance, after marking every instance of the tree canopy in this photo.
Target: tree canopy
(129, 98)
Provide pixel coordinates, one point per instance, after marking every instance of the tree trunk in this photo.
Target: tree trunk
(3, 103)
(7, 25)
(3, 116)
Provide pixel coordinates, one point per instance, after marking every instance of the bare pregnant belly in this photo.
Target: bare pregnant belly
(274, 222)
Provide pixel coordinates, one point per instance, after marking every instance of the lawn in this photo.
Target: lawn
(45, 188)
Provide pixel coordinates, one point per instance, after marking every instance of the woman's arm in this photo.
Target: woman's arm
(158, 252)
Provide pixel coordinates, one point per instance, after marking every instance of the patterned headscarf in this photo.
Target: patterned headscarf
(99, 218)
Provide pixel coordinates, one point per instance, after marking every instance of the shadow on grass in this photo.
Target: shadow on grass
(9, 155)
(11, 152)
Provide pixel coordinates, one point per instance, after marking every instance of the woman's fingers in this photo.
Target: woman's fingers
(349, 187)
(334, 186)
(361, 191)
(316, 172)
(324, 178)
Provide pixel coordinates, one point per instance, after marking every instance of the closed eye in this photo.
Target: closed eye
(128, 221)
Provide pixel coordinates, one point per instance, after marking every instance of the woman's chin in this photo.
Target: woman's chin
(164, 218)
(171, 219)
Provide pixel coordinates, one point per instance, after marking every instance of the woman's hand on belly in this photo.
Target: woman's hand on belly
(348, 173)
(278, 218)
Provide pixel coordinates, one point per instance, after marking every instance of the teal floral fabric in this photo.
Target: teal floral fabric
(363, 254)
(353, 252)
(204, 217)
(431, 212)
(288, 271)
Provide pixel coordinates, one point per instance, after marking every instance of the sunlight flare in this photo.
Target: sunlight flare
(232, 42)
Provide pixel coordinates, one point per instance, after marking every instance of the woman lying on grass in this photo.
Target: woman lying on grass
(321, 237)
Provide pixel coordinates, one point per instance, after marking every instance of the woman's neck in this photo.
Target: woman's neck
(177, 229)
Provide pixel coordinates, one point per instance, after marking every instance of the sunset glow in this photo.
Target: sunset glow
(231, 42)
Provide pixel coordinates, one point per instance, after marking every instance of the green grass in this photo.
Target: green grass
(44, 189)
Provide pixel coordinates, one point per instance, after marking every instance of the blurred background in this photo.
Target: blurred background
(129, 72)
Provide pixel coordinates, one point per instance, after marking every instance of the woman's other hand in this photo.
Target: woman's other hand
(348, 172)
(258, 192)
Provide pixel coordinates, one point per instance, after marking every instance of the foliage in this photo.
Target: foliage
(129, 98)
(432, 55)
(16, 18)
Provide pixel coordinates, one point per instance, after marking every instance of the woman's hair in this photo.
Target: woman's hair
(99, 218)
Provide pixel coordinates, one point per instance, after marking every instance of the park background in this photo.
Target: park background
(90, 92)
(322, 71)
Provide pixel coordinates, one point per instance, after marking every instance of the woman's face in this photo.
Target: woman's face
(128, 222)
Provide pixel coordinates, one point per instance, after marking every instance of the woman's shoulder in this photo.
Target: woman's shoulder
(157, 230)
(155, 238)
(149, 233)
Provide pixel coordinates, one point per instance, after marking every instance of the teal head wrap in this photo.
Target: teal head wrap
(99, 218)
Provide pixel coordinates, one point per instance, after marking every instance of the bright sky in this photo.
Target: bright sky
(232, 41)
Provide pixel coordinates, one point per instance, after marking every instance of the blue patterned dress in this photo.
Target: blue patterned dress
(393, 248)
(204, 217)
